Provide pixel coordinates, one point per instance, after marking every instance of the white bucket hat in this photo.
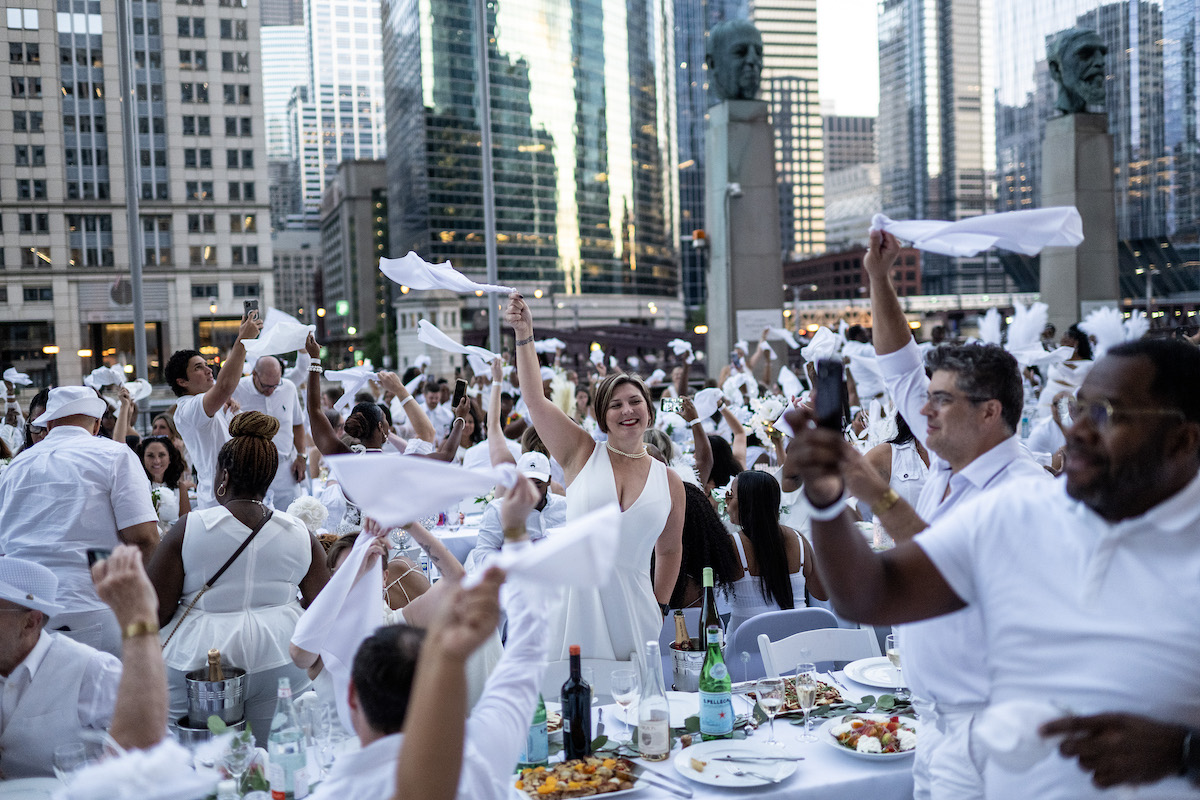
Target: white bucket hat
(29, 584)
(66, 401)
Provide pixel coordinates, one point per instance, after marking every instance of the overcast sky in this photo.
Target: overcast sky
(848, 56)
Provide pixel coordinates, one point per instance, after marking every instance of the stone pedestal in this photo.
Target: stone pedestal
(1077, 158)
(746, 264)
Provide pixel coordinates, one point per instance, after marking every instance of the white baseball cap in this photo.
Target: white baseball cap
(67, 401)
(534, 465)
(29, 584)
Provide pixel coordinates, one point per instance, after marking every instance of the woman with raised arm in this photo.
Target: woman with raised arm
(614, 621)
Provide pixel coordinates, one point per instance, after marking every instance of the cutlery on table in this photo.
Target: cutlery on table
(655, 779)
(743, 773)
(757, 758)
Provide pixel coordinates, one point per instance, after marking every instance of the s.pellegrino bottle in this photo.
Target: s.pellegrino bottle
(287, 770)
(576, 711)
(716, 695)
(654, 712)
(537, 740)
(708, 612)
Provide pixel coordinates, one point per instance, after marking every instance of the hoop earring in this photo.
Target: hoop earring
(221, 490)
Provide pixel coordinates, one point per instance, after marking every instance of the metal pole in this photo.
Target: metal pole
(133, 218)
(1150, 295)
(485, 166)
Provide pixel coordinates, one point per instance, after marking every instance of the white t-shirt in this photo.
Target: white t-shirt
(204, 436)
(283, 404)
(1078, 611)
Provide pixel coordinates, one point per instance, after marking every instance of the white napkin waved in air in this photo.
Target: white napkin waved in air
(105, 376)
(139, 389)
(766, 348)
(283, 337)
(549, 345)
(17, 378)
(784, 335)
(706, 402)
(417, 273)
(1019, 231)
(164, 772)
(1009, 732)
(656, 377)
(597, 357)
(791, 385)
(680, 346)
(352, 381)
(581, 553)
(395, 490)
(344, 614)
(823, 344)
(429, 333)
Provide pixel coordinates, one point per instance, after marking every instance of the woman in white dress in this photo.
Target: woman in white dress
(903, 462)
(169, 477)
(616, 620)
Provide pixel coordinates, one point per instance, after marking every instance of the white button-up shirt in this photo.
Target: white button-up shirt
(537, 525)
(283, 404)
(1091, 615)
(71, 493)
(97, 692)
(204, 436)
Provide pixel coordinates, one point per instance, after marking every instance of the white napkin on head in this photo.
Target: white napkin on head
(344, 614)
(597, 357)
(139, 389)
(581, 553)
(549, 345)
(428, 333)
(1019, 231)
(283, 337)
(1009, 732)
(706, 402)
(823, 344)
(417, 273)
(164, 771)
(395, 490)
(785, 336)
(105, 376)
(791, 385)
(17, 378)
(351, 380)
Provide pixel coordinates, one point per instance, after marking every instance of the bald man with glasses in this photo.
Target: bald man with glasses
(266, 390)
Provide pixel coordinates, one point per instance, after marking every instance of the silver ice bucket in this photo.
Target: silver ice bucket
(190, 734)
(686, 666)
(226, 699)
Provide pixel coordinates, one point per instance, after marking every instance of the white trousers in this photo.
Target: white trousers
(944, 767)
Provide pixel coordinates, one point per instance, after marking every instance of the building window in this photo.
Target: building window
(22, 19)
(37, 294)
(202, 223)
(191, 27)
(204, 291)
(200, 190)
(242, 223)
(33, 223)
(233, 29)
(201, 255)
(245, 290)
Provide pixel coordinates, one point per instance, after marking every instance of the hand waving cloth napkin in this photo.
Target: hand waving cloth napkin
(706, 402)
(791, 385)
(823, 344)
(680, 346)
(785, 336)
(1019, 231)
(395, 490)
(352, 380)
(345, 613)
(105, 376)
(549, 345)
(139, 389)
(416, 273)
(17, 378)
(285, 336)
(428, 333)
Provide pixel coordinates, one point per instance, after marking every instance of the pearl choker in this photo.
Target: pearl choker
(642, 454)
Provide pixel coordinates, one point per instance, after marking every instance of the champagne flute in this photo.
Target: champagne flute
(68, 759)
(237, 759)
(893, 654)
(625, 686)
(771, 698)
(806, 695)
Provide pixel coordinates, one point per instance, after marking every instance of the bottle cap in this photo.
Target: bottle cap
(708, 576)
(574, 650)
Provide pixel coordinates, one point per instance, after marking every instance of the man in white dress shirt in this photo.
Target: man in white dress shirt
(1086, 588)
(439, 412)
(72, 493)
(550, 511)
(266, 390)
(200, 415)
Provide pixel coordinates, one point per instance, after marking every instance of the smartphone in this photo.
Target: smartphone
(830, 388)
(672, 404)
(94, 556)
(248, 306)
(460, 391)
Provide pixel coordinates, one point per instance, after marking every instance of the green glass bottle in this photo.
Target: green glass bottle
(537, 746)
(716, 690)
(708, 611)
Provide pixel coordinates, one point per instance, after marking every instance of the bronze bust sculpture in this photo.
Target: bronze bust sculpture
(734, 58)
(1077, 65)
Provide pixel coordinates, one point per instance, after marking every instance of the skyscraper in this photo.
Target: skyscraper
(201, 175)
(583, 129)
(849, 141)
(284, 54)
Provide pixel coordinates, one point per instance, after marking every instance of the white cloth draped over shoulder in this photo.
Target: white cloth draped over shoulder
(615, 620)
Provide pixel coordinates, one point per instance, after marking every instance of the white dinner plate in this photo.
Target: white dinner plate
(825, 734)
(29, 788)
(877, 671)
(684, 705)
(718, 773)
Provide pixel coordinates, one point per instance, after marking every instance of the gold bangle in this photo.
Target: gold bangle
(889, 499)
(515, 534)
(142, 628)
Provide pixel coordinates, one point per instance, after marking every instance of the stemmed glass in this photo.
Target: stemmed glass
(323, 720)
(806, 694)
(893, 654)
(237, 759)
(68, 759)
(771, 698)
(624, 689)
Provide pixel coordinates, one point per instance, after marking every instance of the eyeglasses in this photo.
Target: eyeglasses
(37, 430)
(1102, 414)
(939, 400)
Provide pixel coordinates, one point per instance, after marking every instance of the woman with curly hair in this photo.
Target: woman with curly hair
(169, 479)
(706, 543)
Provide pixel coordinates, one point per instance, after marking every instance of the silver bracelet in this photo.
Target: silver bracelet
(829, 512)
(316, 368)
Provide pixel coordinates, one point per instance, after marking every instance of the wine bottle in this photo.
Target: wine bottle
(654, 712)
(576, 711)
(716, 695)
(287, 771)
(682, 640)
(708, 611)
(537, 742)
(215, 673)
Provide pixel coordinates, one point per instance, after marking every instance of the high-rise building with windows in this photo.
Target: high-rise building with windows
(284, 54)
(65, 295)
(849, 141)
(583, 134)
(281, 12)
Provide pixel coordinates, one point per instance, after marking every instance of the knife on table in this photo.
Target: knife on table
(657, 780)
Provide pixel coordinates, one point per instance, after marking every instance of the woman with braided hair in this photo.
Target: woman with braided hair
(250, 610)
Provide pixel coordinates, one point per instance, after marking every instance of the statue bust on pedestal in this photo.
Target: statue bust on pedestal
(734, 58)
(1077, 66)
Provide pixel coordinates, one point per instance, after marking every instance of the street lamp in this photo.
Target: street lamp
(212, 321)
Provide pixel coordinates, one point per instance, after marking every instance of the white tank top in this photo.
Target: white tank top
(746, 598)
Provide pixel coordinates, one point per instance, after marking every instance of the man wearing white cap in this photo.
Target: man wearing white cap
(51, 688)
(549, 512)
(72, 493)
(266, 390)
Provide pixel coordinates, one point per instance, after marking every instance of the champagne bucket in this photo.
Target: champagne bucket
(189, 735)
(686, 666)
(224, 698)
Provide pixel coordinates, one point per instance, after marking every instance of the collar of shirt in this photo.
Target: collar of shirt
(28, 668)
(977, 476)
(374, 761)
(66, 432)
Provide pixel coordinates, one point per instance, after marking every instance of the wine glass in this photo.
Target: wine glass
(399, 539)
(893, 654)
(68, 759)
(806, 695)
(323, 720)
(237, 759)
(771, 698)
(624, 692)
(589, 677)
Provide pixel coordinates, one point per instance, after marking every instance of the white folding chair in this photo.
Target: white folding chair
(825, 644)
(602, 668)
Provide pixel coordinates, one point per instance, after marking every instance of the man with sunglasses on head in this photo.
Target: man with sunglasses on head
(266, 390)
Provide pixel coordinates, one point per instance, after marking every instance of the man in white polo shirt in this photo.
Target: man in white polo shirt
(72, 493)
(266, 390)
(200, 415)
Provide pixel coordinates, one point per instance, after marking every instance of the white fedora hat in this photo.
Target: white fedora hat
(66, 401)
(28, 584)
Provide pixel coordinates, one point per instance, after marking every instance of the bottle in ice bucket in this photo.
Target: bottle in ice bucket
(287, 770)
(709, 615)
(716, 696)
(577, 711)
(654, 712)
(537, 744)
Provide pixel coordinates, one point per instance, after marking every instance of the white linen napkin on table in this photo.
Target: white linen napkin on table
(395, 490)
(352, 380)
(17, 378)
(1019, 231)
(1009, 732)
(429, 333)
(417, 273)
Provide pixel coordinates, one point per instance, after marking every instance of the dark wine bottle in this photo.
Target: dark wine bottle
(576, 711)
(708, 611)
